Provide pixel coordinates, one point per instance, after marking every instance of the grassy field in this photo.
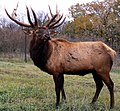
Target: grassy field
(23, 87)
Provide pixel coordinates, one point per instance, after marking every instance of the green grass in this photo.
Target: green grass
(116, 70)
(23, 87)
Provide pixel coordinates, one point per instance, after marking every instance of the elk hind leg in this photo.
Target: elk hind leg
(110, 85)
(99, 85)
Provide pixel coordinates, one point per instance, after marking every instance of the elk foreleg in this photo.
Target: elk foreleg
(59, 86)
(62, 87)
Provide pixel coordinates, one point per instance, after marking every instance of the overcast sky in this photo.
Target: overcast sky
(39, 5)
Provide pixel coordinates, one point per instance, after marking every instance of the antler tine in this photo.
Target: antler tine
(18, 22)
(57, 21)
(36, 22)
(28, 15)
(53, 18)
(56, 9)
(50, 11)
(44, 20)
(55, 26)
(14, 14)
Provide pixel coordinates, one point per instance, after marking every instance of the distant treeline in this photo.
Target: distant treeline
(90, 22)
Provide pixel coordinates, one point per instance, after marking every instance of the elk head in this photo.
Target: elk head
(40, 32)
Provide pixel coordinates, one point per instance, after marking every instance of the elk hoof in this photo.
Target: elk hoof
(57, 106)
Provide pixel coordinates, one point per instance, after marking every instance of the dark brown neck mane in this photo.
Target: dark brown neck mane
(39, 52)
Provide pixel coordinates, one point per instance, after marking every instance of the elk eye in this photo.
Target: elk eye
(38, 33)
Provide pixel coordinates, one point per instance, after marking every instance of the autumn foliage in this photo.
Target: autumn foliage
(90, 22)
(96, 21)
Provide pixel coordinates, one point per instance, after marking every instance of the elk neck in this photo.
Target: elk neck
(40, 52)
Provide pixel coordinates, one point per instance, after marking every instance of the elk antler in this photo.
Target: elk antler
(53, 23)
(57, 25)
(14, 15)
(51, 11)
(52, 20)
(29, 19)
(36, 23)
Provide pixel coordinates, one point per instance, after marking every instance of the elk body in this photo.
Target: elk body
(58, 57)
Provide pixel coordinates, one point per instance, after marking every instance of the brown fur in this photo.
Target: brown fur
(58, 57)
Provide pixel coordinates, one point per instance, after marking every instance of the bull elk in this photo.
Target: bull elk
(57, 56)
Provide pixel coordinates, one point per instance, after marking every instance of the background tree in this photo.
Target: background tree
(96, 21)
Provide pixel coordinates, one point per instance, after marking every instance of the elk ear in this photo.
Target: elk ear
(27, 31)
